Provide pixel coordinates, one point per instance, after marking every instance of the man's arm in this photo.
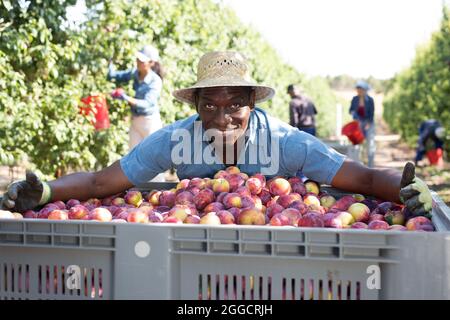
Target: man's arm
(85, 185)
(305, 153)
(381, 183)
(29, 193)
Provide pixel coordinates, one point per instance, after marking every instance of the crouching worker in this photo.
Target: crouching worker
(227, 130)
(431, 137)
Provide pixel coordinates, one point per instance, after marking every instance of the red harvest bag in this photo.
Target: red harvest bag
(435, 156)
(97, 105)
(353, 132)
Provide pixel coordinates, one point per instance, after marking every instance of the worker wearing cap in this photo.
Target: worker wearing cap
(430, 131)
(362, 109)
(147, 85)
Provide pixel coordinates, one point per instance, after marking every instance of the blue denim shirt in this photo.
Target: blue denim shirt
(147, 92)
(289, 152)
(369, 108)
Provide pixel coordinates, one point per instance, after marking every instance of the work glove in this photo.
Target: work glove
(414, 192)
(27, 194)
(119, 94)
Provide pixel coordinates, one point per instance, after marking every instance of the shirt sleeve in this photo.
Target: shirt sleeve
(150, 99)
(149, 158)
(371, 109)
(304, 152)
(119, 75)
(353, 105)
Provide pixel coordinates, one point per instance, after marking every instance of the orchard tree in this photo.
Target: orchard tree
(422, 91)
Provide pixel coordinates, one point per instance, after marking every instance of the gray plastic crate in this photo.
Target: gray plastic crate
(167, 261)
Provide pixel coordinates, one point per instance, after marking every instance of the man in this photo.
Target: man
(301, 111)
(226, 131)
(362, 109)
(432, 133)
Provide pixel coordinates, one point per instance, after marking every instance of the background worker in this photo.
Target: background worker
(362, 109)
(431, 136)
(302, 111)
(147, 85)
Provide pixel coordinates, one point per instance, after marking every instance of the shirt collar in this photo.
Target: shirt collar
(148, 78)
(252, 129)
(258, 122)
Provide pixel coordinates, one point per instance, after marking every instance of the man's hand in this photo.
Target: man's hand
(414, 193)
(26, 194)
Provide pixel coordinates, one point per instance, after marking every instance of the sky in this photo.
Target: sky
(332, 37)
(355, 37)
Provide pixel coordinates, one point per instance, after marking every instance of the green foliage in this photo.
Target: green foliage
(422, 91)
(46, 67)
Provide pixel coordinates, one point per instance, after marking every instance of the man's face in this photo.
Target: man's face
(225, 111)
(295, 92)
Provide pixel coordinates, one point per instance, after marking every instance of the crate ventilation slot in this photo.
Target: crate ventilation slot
(50, 281)
(249, 287)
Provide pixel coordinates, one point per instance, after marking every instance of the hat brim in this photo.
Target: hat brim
(262, 93)
(142, 57)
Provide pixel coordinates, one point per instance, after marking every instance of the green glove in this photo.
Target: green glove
(27, 194)
(414, 192)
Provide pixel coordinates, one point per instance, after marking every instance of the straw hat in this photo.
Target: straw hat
(223, 69)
